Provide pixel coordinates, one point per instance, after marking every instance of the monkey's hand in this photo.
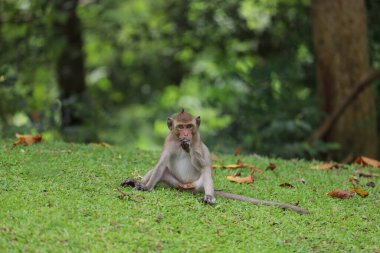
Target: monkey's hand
(128, 182)
(185, 144)
(207, 199)
(141, 187)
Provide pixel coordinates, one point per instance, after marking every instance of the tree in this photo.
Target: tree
(70, 64)
(341, 53)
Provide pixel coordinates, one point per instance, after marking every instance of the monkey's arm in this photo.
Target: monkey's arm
(262, 202)
(154, 175)
(208, 186)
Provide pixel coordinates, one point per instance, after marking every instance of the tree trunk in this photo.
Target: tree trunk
(70, 65)
(341, 49)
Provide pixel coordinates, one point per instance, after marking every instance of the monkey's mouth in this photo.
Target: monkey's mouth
(185, 144)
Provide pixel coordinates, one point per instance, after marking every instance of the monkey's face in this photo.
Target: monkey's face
(184, 131)
(184, 126)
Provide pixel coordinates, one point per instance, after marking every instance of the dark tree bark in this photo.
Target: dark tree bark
(341, 49)
(70, 66)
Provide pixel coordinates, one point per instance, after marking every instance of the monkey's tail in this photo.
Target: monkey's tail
(262, 202)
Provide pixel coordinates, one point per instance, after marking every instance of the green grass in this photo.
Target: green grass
(57, 197)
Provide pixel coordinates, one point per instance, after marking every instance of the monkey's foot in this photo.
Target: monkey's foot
(141, 187)
(128, 182)
(208, 199)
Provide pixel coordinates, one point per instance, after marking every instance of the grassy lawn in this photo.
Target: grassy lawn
(58, 197)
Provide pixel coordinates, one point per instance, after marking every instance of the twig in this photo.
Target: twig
(341, 108)
(122, 195)
(262, 202)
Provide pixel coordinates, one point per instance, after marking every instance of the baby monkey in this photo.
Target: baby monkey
(185, 163)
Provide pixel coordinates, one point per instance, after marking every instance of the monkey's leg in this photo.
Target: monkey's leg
(169, 179)
(147, 177)
(155, 174)
(151, 178)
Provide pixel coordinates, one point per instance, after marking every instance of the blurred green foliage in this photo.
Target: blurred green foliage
(246, 67)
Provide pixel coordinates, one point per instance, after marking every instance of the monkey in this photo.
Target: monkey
(185, 163)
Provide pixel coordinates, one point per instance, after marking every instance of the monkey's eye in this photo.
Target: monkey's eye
(189, 126)
(180, 126)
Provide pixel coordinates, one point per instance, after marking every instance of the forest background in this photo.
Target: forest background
(262, 74)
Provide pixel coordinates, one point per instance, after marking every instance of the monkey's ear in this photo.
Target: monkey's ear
(170, 123)
(198, 121)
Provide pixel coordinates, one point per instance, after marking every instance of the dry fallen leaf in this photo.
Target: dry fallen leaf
(371, 184)
(327, 166)
(232, 166)
(27, 139)
(353, 180)
(239, 179)
(360, 173)
(286, 185)
(360, 192)
(342, 194)
(367, 161)
(272, 166)
(242, 180)
(252, 167)
(101, 144)
(239, 164)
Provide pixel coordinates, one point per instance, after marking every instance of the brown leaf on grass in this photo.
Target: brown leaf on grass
(286, 185)
(353, 180)
(271, 166)
(362, 160)
(327, 166)
(27, 139)
(360, 173)
(360, 192)
(102, 144)
(242, 180)
(239, 164)
(342, 194)
(233, 166)
(252, 167)
(371, 184)
(237, 151)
